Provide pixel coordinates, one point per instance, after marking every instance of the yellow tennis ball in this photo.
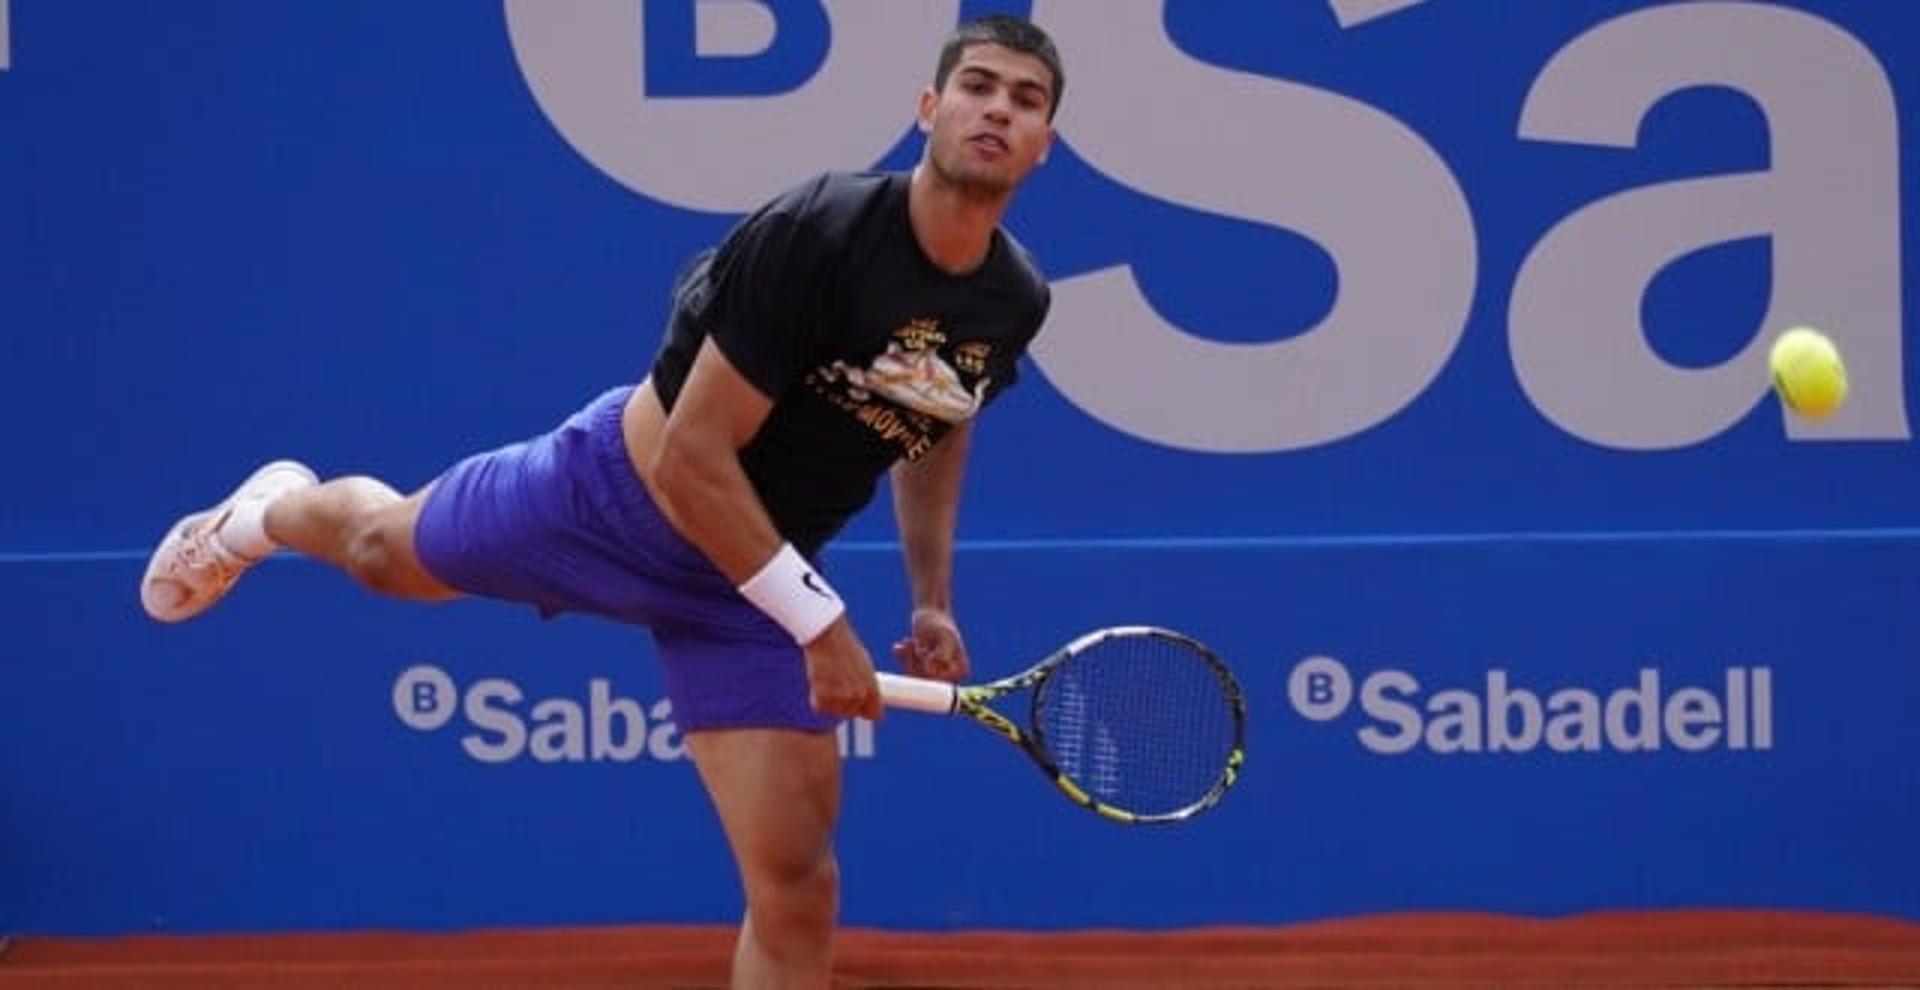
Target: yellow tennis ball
(1808, 373)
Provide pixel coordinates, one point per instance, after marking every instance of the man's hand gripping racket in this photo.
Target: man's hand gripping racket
(1139, 724)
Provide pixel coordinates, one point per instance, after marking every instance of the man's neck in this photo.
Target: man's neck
(954, 226)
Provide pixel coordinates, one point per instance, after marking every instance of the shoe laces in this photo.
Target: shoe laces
(201, 553)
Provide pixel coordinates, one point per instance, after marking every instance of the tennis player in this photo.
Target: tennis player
(854, 325)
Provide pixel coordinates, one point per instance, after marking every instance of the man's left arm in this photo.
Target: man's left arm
(926, 504)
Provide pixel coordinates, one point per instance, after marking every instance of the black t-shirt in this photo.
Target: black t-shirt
(825, 302)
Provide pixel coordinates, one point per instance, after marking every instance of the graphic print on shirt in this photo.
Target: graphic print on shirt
(909, 385)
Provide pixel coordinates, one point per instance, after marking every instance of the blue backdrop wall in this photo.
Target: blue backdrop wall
(1412, 353)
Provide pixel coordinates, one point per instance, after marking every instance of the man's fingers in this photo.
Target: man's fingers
(935, 649)
(941, 655)
(850, 701)
(915, 658)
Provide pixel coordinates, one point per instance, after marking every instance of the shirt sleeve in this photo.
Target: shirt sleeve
(763, 304)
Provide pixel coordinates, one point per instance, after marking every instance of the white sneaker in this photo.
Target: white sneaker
(192, 568)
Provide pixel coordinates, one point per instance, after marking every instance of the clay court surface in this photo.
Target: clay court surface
(1658, 949)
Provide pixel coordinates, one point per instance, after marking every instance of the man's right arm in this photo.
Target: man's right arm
(696, 474)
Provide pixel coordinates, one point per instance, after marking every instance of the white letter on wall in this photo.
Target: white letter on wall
(1831, 203)
(583, 60)
(1358, 182)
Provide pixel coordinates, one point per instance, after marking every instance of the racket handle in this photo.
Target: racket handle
(917, 694)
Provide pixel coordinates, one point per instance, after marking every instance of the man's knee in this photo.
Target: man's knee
(803, 876)
(794, 905)
(376, 552)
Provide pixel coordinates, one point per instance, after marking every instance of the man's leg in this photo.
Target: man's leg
(362, 526)
(359, 524)
(510, 523)
(778, 795)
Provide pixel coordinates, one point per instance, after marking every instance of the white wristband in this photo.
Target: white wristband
(793, 594)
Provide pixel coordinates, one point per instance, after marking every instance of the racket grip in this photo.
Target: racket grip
(918, 694)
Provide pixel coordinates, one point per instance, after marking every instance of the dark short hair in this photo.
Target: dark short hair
(1007, 31)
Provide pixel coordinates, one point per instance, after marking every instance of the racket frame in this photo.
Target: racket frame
(941, 698)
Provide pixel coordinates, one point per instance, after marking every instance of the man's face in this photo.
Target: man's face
(989, 126)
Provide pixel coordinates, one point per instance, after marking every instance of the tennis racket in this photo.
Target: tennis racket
(1138, 724)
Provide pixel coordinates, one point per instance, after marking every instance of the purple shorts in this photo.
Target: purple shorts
(562, 522)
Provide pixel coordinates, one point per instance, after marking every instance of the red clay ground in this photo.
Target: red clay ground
(1657, 949)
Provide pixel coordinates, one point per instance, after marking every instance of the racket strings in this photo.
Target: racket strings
(1141, 723)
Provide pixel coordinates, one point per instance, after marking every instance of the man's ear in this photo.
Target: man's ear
(928, 100)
